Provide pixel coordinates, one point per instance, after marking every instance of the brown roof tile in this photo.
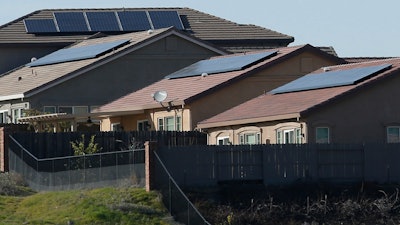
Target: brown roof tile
(269, 106)
(201, 25)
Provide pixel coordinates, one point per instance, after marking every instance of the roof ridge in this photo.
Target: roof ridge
(364, 62)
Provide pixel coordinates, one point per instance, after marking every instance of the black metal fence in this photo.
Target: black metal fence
(124, 167)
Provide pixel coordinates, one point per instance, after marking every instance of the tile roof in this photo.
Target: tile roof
(184, 90)
(269, 107)
(25, 81)
(199, 24)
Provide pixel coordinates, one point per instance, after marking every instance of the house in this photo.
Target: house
(351, 103)
(209, 87)
(44, 31)
(92, 72)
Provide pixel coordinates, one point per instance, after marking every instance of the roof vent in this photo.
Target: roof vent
(326, 69)
(204, 74)
(150, 32)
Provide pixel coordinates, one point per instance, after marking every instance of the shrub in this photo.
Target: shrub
(11, 184)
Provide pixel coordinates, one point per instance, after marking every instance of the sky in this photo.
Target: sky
(354, 28)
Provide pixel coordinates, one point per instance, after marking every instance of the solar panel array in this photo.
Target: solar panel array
(77, 53)
(221, 65)
(104, 21)
(331, 79)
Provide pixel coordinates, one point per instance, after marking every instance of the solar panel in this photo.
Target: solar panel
(77, 53)
(163, 19)
(40, 26)
(331, 79)
(221, 65)
(71, 22)
(134, 20)
(103, 21)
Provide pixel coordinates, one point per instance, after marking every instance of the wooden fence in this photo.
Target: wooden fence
(280, 164)
(50, 145)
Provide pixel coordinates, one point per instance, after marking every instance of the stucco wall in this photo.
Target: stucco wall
(124, 75)
(14, 56)
(362, 116)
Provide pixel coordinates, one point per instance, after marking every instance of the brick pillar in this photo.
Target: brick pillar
(4, 132)
(150, 147)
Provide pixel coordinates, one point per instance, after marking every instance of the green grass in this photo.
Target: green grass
(96, 206)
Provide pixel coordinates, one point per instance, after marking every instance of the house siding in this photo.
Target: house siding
(362, 116)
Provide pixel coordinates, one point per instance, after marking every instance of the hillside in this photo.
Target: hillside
(95, 206)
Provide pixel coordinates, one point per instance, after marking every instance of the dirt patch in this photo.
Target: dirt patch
(239, 204)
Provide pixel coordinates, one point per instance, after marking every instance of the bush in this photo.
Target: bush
(12, 184)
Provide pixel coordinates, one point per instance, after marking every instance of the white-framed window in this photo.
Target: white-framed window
(65, 109)
(393, 134)
(224, 140)
(170, 123)
(49, 109)
(80, 110)
(143, 125)
(250, 138)
(289, 136)
(322, 135)
(4, 116)
(16, 114)
(116, 127)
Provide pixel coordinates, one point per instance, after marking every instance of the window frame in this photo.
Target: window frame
(225, 140)
(388, 137)
(328, 138)
(243, 138)
(175, 126)
(144, 124)
(296, 137)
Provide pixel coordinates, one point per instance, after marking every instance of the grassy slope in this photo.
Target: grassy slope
(97, 206)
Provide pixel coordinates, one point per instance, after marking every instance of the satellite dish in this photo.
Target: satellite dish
(160, 96)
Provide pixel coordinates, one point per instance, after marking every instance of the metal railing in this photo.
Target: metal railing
(73, 172)
(177, 203)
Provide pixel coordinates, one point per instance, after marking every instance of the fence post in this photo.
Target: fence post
(150, 147)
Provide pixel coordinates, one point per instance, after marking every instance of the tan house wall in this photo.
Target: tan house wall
(362, 116)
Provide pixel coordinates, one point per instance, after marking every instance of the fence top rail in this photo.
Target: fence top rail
(75, 156)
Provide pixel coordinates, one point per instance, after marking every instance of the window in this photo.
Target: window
(49, 109)
(65, 109)
(170, 123)
(393, 134)
(143, 125)
(322, 135)
(16, 114)
(116, 127)
(289, 136)
(223, 140)
(80, 109)
(250, 138)
(3, 116)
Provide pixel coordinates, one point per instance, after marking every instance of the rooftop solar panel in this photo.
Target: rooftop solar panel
(77, 53)
(221, 65)
(134, 20)
(71, 21)
(163, 19)
(40, 26)
(331, 79)
(103, 21)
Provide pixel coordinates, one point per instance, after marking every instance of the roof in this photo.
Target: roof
(199, 24)
(186, 89)
(26, 81)
(271, 107)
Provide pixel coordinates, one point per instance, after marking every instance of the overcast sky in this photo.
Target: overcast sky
(355, 28)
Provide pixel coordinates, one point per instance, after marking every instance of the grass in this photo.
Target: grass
(95, 206)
